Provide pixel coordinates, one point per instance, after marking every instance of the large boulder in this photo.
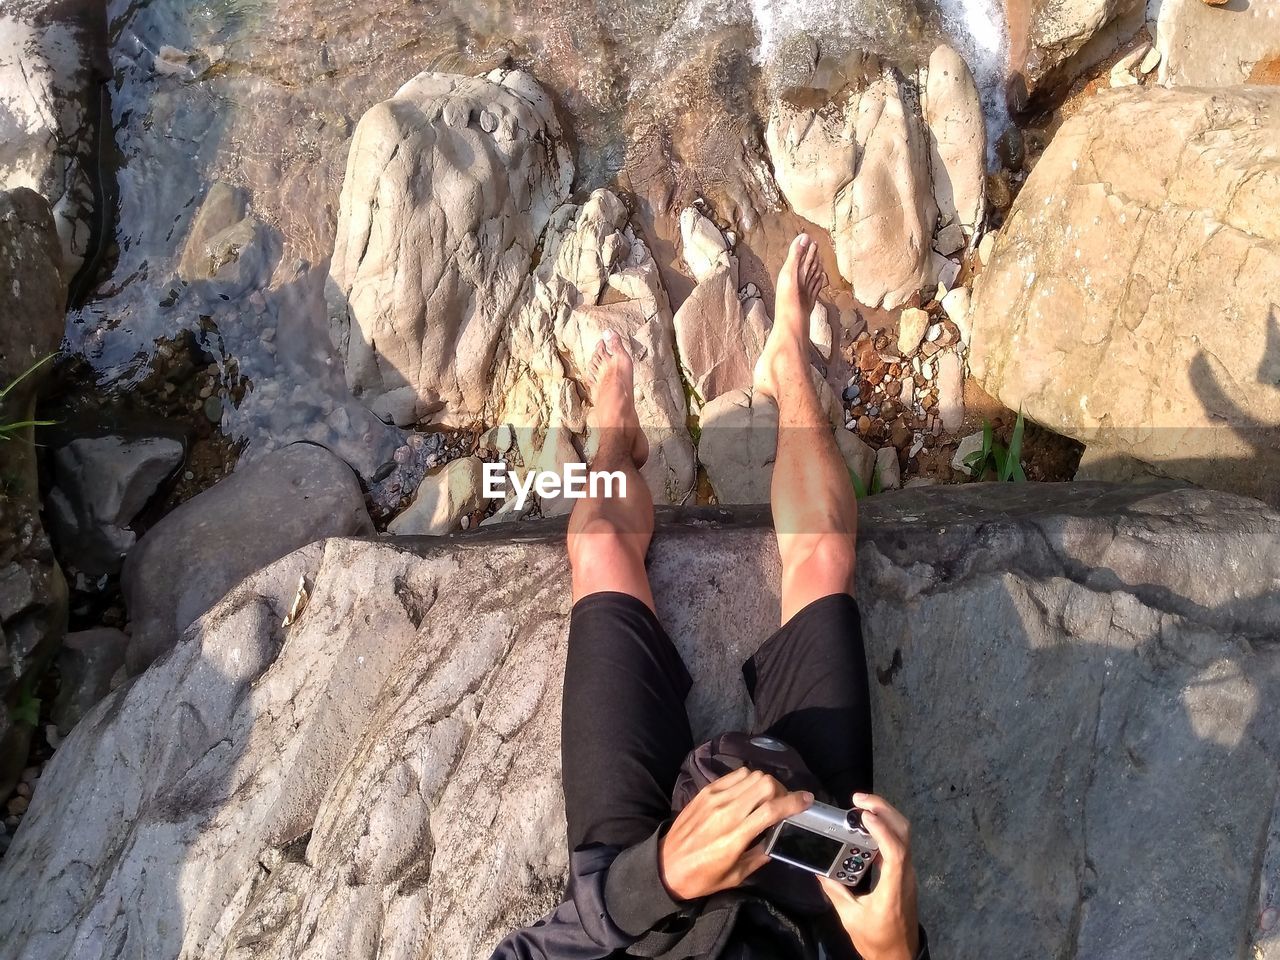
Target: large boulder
(883, 161)
(855, 161)
(1130, 300)
(50, 62)
(1052, 42)
(1066, 679)
(1203, 45)
(187, 561)
(33, 593)
(449, 185)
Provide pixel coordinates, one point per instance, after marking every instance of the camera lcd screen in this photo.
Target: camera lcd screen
(804, 848)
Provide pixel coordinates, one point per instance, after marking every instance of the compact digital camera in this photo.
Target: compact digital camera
(827, 841)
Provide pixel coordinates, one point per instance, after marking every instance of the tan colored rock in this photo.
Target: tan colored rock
(1203, 45)
(1130, 299)
(858, 167)
(449, 186)
(912, 324)
(956, 306)
(737, 444)
(820, 329)
(957, 140)
(718, 335)
(442, 500)
(950, 390)
(888, 471)
(702, 246)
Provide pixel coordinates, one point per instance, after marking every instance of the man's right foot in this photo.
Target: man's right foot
(613, 402)
(786, 350)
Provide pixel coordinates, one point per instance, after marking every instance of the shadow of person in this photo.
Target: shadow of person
(1082, 725)
(1240, 448)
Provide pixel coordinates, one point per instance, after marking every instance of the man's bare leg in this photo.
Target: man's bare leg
(815, 511)
(609, 536)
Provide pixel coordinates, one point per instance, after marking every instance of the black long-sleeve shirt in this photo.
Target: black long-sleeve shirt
(617, 897)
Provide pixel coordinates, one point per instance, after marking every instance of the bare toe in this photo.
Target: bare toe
(597, 358)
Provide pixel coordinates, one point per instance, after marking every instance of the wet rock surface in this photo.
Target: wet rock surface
(51, 62)
(188, 560)
(33, 592)
(379, 777)
(102, 483)
(1125, 358)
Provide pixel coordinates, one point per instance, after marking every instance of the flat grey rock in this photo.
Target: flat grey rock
(86, 663)
(271, 507)
(1074, 702)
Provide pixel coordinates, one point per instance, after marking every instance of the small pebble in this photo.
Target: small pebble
(466, 522)
(23, 790)
(30, 774)
(18, 805)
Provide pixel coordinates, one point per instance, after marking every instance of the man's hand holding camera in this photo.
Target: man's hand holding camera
(882, 922)
(713, 845)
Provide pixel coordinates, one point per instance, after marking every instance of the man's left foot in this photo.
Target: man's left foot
(613, 401)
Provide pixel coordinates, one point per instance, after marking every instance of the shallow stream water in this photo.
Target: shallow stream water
(660, 97)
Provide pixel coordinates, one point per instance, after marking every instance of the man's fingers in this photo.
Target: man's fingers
(774, 811)
(728, 781)
(753, 790)
(890, 817)
(892, 850)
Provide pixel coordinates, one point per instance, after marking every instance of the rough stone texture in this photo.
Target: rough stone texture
(912, 325)
(719, 337)
(950, 390)
(1204, 46)
(86, 663)
(33, 593)
(595, 275)
(443, 499)
(1052, 42)
(449, 185)
(188, 560)
(48, 103)
(858, 166)
(887, 469)
(1065, 681)
(101, 485)
(958, 141)
(1130, 299)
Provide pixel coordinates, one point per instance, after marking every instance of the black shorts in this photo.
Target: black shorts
(625, 733)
